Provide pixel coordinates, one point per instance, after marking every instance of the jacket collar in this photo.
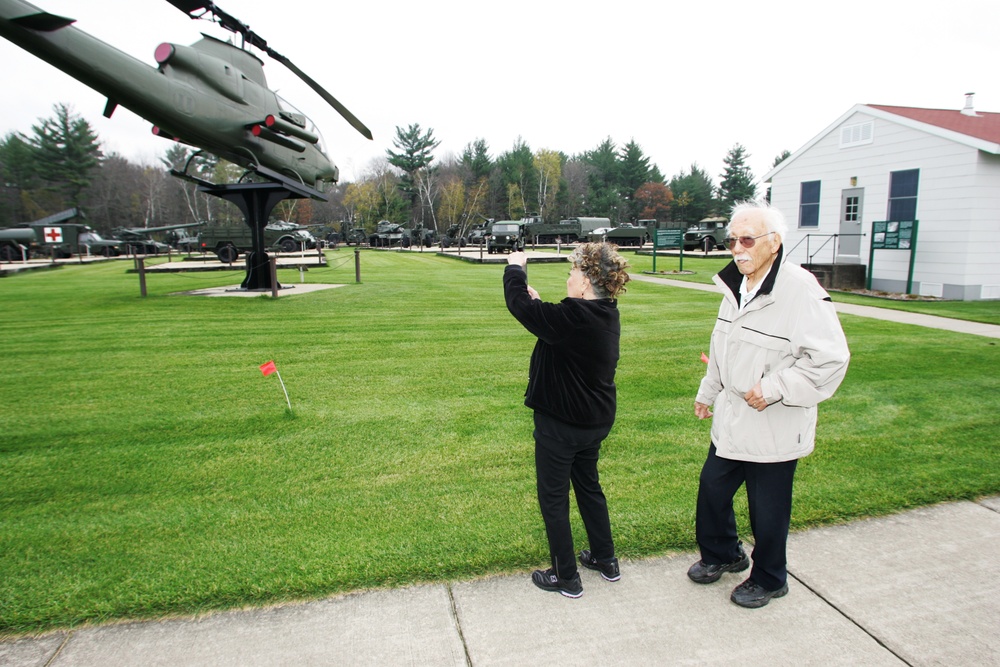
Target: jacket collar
(731, 276)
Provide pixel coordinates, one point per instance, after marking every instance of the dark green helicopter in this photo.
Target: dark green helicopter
(211, 95)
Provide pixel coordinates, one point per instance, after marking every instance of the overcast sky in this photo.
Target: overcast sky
(685, 80)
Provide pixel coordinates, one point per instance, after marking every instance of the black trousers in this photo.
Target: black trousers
(769, 496)
(565, 453)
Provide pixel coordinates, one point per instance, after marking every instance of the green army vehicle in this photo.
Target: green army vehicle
(507, 236)
(627, 234)
(707, 234)
(479, 233)
(388, 234)
(356, 236)
(570, 230)
(228, 241)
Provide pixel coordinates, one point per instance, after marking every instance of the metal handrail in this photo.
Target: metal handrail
(823, 236)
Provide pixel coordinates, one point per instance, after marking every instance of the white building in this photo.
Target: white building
(889, 164)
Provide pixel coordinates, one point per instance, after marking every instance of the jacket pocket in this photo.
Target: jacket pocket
(759, 354)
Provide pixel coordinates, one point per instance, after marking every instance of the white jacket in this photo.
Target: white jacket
(789, 339)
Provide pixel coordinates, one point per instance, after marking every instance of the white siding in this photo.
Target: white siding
(958, 204)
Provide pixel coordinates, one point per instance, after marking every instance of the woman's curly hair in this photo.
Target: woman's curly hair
(603, 266)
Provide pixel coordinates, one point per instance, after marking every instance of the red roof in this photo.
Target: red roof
(984, 125)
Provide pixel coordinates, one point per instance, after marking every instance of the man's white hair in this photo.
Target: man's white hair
(772, 217)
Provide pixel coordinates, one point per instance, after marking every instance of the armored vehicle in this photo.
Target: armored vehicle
(627, 234)
(356, 236)
(228, 241)
(506, 236)
(388, 234)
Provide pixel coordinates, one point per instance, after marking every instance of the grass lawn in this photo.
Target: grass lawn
(148, 468)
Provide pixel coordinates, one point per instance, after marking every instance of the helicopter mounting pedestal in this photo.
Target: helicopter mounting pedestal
(256, 201)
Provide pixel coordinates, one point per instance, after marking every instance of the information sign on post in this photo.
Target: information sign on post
(668, 238)
(893, 235)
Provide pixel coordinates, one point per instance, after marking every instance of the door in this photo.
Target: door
(849, 241)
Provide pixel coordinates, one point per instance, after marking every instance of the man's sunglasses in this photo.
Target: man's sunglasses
(745, 241)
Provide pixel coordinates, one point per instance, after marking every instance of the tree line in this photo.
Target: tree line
(59, 164)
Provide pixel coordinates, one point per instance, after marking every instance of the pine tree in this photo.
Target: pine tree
(66, 152)
(415, 154)
(737, 179)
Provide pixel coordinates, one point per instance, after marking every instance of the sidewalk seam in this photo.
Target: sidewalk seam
(51, 661)
(458, 625)
(849, 618)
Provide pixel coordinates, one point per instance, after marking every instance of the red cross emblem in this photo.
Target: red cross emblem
(53, 234)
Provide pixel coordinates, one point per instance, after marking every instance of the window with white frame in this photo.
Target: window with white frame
(858, 134)
(809, 204)
(903, 194)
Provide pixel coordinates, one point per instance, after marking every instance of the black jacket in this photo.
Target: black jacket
(572, 373)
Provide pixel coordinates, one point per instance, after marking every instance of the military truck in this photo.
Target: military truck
(388, 234)
(566, 231)
(228, 241)
(57, 237)
(57, 240)
(707, 234)
(506, 236)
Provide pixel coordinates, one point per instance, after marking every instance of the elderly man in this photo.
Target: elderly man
(777, 350)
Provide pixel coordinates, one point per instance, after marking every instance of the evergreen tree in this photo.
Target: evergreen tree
(517, 168)
(604, 179)
(66, 152)
(415, 154)
(693, 196)
(737, 179)
(476, 159)
(17, 176)
(634, 174)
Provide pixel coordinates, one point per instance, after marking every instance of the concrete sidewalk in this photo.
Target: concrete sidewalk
(888, 314)
(916, 588)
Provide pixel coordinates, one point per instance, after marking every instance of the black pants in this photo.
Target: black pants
(769, 496)
(564, 452)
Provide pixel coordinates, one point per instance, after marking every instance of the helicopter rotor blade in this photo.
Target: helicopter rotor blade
(233, 24)
(330, 99)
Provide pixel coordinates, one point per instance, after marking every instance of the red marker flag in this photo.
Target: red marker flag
(703, 358)
(268, 368)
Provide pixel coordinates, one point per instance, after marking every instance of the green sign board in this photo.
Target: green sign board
(893, 235)
(668, 238)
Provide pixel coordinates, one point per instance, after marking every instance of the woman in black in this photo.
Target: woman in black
(571, 388)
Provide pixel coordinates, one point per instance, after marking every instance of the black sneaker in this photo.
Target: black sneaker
(608, 569)
(750, 595)
(703, 573)
(548, 581)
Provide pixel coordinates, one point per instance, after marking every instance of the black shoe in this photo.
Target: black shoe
(608, 569)
(548, 581)
(749, 594)
(702, 573)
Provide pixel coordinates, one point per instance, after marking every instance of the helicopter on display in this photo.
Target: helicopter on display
(211, 95)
